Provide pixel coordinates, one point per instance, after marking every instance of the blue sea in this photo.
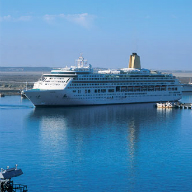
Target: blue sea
(131, 147)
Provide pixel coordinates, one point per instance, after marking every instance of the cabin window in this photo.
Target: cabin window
(103, 90)
(118, 89)
(110, 90)
(123, 89)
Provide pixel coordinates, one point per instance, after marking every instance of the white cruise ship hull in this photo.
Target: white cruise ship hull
(79, 85)
(45, 98)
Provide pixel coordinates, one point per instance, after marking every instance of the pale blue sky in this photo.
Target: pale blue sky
(54, 32)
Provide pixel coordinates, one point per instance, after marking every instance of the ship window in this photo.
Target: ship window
(74, 91)
(117, 88)
(89, 91)
(111, 90)
(95, 90)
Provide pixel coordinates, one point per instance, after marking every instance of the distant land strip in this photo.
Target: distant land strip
(40, 69)
(24, 69)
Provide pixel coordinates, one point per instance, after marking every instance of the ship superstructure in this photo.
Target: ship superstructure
(79, 85)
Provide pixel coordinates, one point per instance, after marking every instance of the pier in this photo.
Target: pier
(177, 105)
(184, 106)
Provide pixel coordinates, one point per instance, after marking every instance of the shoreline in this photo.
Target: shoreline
(10, 92)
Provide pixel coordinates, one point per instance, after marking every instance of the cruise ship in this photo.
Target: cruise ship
(81, 85)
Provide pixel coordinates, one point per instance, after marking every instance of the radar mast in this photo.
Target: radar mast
(80, 61)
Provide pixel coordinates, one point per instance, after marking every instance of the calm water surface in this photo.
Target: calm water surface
(132, 147)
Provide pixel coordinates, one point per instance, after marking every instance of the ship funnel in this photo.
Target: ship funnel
(134, 61)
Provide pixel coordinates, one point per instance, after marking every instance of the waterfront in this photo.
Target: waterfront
(133, 147)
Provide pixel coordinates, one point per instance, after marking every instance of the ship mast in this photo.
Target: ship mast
(80, 62)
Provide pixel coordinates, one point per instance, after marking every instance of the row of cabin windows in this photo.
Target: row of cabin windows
(107, 84)
(143, 88)
(120, 77)
(104, 90)
(113, 96)
(129, 89)
(172, 89)
(52, 84)
(96, 91)
(55, 78)
(133, 80)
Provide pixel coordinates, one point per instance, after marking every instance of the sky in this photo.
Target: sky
(53, 33)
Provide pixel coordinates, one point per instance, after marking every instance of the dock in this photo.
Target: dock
(184, 106)
(177, 105)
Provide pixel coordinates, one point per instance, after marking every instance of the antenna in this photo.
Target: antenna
(80, 61)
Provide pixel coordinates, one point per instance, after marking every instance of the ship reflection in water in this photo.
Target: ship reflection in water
(112, 147)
